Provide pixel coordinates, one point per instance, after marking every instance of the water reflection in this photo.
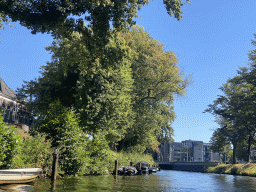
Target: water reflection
(161, 181)
(17, 187)
(235, 183)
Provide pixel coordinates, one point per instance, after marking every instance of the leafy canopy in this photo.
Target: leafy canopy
(236, 108)
(157, 80)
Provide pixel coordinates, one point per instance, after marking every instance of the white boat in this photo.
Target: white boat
(18, 175)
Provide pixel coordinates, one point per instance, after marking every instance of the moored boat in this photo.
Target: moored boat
(153, 169)
(127, 170)
(142, 167)
(23, 175)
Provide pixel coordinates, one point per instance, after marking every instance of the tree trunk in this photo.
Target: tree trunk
(234, 154)
(249, 149)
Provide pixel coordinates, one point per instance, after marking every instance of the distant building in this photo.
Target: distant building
(13, 107)
(186, 151)
(253, 154)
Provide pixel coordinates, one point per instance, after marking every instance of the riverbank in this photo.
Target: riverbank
(248, 169)
(34, 150)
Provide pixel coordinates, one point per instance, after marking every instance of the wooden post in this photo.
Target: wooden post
(116, 167)
(130, 163)
(140, 165)
(54, 165)
(124, 170)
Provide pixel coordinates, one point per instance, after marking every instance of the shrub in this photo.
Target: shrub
(34, 152)
(234, 171)
(9, 143)
(125, 158)
(101, 159)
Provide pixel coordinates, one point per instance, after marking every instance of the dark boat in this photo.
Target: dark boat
(127, 170)
(152, 169)
(142, 167)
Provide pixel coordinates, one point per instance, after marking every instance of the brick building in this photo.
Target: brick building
(13, 107)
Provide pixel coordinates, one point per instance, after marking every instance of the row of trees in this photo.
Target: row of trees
(235, 111)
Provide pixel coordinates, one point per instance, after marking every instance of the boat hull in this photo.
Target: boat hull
(16, 179)
(8, 176)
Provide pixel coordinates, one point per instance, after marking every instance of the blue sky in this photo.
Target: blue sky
(211, 41)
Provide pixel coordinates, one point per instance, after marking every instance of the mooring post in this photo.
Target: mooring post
(131, 163)
(124, 170)
(54, 165)
(116, 167)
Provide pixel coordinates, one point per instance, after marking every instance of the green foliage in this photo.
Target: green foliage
(218, 141)
(9, 143)
(34, 152)
(101, 96)
(236, 108)
(101, 159)
(62, 127)
(3, 19)
(124, 158)
(237, 169)
(130, 103)
(242, 150)
(156, 80)
(62, 18)
(222, 168)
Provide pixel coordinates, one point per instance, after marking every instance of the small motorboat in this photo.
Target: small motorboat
(142, 167)
(152, 169)
(24, 175)
(127, 170)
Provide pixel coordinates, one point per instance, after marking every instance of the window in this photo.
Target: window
(7, 90)
(13, 116)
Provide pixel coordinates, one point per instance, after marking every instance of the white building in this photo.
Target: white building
(13, 107)
(186, 151)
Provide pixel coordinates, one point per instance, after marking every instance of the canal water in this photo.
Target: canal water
(165, 180)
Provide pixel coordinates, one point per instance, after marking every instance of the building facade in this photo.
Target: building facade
(13, 107)
(186, 151)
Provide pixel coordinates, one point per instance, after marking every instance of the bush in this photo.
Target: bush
(125, 158)
(73, 141)
(219, 169)
(101, 158)
(9, 143)
(34, 152)
(234, 171)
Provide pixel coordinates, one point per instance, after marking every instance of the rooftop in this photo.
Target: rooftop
(6, 91)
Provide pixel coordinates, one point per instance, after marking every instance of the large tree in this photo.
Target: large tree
(130, 102)
(62, 18)
(156, 80)
(67, 16)
(226, 111)
(218, 141)
(237, 105)
(244, 93)
(101, 96)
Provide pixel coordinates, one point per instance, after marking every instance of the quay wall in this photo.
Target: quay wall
(188, 166)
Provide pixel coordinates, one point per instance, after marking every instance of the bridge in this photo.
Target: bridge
(187, 166)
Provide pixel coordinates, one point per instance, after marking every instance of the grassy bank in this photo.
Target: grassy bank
(125, 158)
(248, 169)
